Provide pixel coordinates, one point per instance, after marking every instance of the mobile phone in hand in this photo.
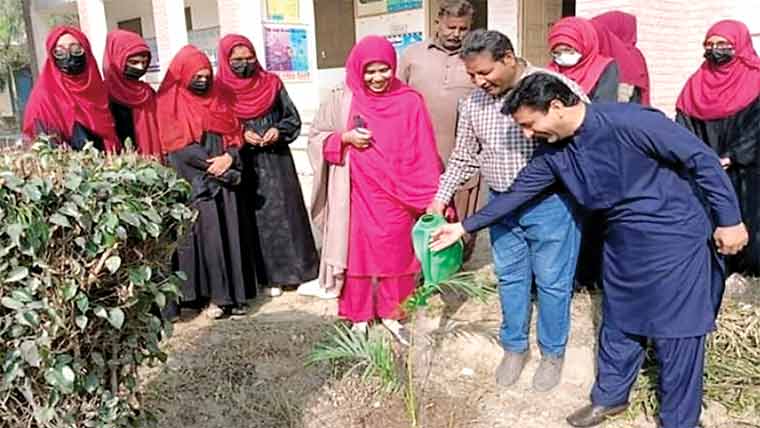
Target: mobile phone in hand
(360, 125)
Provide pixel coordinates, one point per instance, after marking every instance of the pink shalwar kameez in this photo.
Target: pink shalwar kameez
(392, 182)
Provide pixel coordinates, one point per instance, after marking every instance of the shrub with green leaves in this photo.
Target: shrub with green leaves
(85, 247)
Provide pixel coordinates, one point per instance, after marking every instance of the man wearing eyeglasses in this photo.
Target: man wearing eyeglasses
(670, 212)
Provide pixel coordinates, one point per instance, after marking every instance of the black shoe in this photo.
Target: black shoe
(592, 415)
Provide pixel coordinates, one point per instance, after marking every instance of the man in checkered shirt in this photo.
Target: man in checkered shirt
(540, 241)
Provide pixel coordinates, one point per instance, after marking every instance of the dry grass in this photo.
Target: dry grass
(247, 372)
(251, 373)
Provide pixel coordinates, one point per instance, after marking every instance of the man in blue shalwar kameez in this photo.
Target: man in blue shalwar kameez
(669, 209)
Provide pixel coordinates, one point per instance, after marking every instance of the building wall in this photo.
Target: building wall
(117, 11)
(671, 33)
(305, 95)
(205, 13)
(504, 16)
(41, 13)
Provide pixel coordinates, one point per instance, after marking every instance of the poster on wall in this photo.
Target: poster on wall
(379, 7)
(370, 7)
(282, 10)
(400, 5)
(402, 41)
(287, 53)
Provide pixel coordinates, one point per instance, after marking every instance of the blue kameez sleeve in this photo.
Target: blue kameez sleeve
(532, 180)
(666, 141)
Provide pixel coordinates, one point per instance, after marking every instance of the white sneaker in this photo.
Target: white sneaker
(314, 289)
(272, 291)
(213, 312)
(360, 328)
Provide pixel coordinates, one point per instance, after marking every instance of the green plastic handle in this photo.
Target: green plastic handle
(437, 266)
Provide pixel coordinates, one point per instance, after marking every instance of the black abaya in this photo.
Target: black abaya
(285, 249)
(125, 126)
(737, 137)
(212, 254)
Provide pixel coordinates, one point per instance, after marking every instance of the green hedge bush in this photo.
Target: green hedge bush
(85, 247)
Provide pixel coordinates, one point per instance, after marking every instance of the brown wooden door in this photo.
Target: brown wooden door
(336, 33)
(536, 17)
(481, 13)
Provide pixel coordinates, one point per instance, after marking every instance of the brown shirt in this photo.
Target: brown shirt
(440, 76)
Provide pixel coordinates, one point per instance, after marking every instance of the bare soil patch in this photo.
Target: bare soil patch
(250, 372)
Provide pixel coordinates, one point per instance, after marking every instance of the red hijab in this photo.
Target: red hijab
(186, 115)
(719, 91)
(136, 95)
(252, 96)
(58, 100)
(621, 24)
(579, 34)
(617, 39)
(403, 155)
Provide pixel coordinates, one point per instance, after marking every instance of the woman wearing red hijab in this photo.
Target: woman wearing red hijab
(575, 53)
(574, 47)
(201, 138)
(617, 39)
(282, 231)
(133, 102)
(69, 102)
(376, 170)
(720, 103)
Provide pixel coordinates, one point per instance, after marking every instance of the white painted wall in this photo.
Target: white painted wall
(41, 11)
(119, 10)
(504, 16)
(750, 14)
(204, 13)
(329, 79)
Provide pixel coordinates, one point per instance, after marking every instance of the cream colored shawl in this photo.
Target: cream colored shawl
(330, 200)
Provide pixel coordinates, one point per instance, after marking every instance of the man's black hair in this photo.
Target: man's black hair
(479, 41)
(537, 91)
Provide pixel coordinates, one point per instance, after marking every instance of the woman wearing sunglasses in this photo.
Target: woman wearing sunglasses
(69, 102)
(272, 198)
(720, 103)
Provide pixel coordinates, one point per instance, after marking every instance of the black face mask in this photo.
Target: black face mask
(243, 69)
(719, 56)
(200, 87)
(134, 73)
(72, 65)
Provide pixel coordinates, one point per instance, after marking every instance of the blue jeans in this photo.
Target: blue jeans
(541, 241)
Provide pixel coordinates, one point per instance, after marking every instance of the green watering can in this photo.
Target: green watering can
(437, 266)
